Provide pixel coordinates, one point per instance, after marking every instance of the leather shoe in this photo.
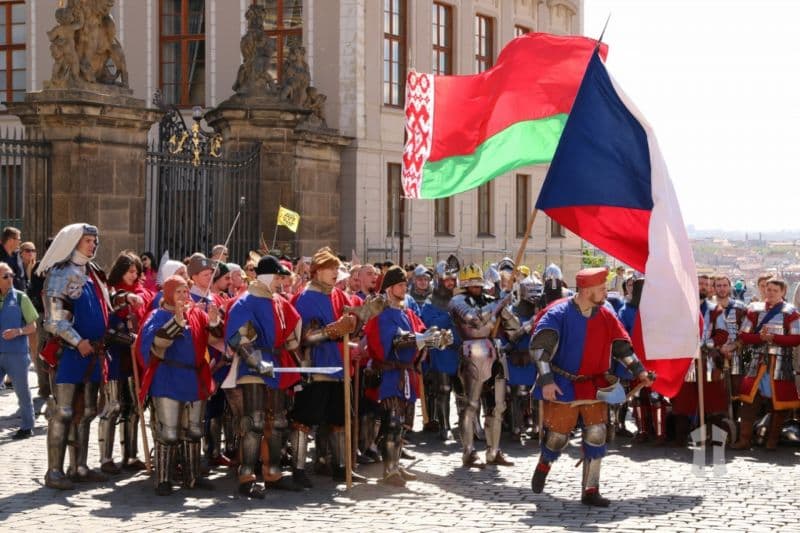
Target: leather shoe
(22, 434)
(500, 460)
(405, 455)
(594, 499)
(473, 461)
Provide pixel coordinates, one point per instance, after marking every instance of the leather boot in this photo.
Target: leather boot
(748, 412)
(775, 426)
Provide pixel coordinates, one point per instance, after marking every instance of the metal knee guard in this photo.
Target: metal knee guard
(251, 426)
(554, 443)
(108, 420)
(595, 434)
(167, 419)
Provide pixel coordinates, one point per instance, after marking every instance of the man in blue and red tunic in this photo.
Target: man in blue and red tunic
(172, 345)
(395, 338)
(77, 304)
(321, 402)
(773, 327)
(259, 327)
(572, 347)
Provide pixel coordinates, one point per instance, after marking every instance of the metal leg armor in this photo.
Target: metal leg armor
(166, 420)
(129, 435)
(60, 420)
(338, 450)
(392, 430)
(107, 425)
(251, 428)
(298, 438)
(495, 407)
(516, 411)
(469, 417)
(552, 446)
(591, 484)
(442, 406)
(83, 428)
(192, 429)
(658, 414)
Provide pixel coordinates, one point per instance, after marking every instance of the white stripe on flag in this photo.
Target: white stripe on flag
(670, 302)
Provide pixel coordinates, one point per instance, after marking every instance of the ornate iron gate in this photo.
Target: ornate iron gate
(25, 174)
(193, 192)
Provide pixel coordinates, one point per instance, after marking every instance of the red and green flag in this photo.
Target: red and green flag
(463, 131)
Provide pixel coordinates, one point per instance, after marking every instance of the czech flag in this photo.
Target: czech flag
(608, 183)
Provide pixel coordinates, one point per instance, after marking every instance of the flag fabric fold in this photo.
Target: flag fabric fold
(609, 184)
(462, 131)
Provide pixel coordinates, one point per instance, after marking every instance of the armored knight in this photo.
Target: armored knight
(321, 402)
(707, 368)
(443, 364)
(573, 345)
(482, 369)
(77, 304)
(733, 313)
(554, 286)
(259, 326)
(773, 328)
(521, 370)
(172, 344)
(395, 337)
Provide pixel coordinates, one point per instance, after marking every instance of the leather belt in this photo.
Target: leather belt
(577, 378)
(178, 364)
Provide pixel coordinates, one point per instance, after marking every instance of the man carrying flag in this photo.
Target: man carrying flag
(572, 346)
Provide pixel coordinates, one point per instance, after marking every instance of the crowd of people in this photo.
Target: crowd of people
(242, 367)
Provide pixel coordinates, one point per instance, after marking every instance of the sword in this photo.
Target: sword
(306, 369)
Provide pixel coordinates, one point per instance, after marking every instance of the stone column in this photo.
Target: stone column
(99, 143)
(300, 168)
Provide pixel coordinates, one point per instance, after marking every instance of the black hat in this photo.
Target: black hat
(222, 269)
(393, 276)
(270, 265)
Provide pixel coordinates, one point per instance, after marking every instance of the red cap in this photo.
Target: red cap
(170, 286)
(590, 277)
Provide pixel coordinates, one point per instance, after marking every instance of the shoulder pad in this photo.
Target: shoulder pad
(738, 304)
(65, 280)
(756, 307)
(788, 308)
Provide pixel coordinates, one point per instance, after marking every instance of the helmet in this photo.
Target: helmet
(552, 272)
(491, 276)
(530, 290)
(524, 270)
(470, 276)
(506, 263)
(420, 270)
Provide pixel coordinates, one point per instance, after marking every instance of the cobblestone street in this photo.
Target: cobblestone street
(650, 488)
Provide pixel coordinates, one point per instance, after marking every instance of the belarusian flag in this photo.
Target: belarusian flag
(462, 131)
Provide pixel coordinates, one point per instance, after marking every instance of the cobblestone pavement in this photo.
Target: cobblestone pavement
(650, 488)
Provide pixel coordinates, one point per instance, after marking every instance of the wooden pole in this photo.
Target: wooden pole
(423, 400)
(701, 377)
(143, 426)
(356, 395)
(348, 434)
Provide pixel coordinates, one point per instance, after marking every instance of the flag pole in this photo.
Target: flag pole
(274, 236)
(701, 377)
(348, 434)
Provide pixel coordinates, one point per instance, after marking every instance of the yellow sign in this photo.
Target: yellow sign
(288, 218)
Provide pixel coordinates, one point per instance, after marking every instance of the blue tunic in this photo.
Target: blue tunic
(176, 382)
(117, 351)
(89, 322)
(444, 361)
(396, 383)
(261, 315)
(315, 306)
(521, 375)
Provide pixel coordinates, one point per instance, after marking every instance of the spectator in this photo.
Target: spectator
(17, 321)
(9, 254)
(149, 272)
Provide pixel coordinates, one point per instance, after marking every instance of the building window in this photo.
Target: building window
(485, 209)
(441, 216)
(396, 206)
(521, 30)
(394, 52)
(12, 50)
(284, 24)
(557, 230)
(523, 194)
(442, 39)
(484, 43)
(182, 54)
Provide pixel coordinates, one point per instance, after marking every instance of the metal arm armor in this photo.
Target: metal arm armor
(312, 335)
(164, 338)
(63, 283)
(543, 345)
(622, 351)
(243, 342)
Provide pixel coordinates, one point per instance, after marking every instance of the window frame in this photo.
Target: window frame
(520, 30)
(485, 218)
(441, 10)
(484, 34)
(401, 39)
(523, 207)
(6, 7)
(183, 39)
(557, 231)
(280, 33)
(446, 228)
(394, 186)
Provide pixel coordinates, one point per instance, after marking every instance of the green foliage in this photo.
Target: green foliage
(592, 260)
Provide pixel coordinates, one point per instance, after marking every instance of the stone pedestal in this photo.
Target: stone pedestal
(300, 168)
(97, 165)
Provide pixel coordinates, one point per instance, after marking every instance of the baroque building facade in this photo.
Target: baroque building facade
(358, 52)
